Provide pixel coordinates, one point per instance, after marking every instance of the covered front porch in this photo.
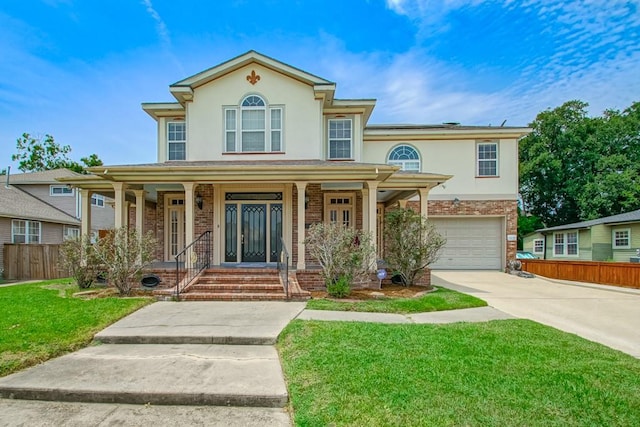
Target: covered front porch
(252, 211)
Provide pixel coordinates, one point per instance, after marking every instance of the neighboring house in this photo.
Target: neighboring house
(613, 238)
(26, 219)
(256, 151)
(45, 186)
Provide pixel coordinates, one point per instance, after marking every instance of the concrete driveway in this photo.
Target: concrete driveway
(607, 315)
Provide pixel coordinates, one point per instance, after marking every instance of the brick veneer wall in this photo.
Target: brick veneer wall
(466, 208)
(311, 280)
(315, 213)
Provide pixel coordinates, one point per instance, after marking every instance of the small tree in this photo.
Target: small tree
(346, 255)
(412, 243)
(124, 255)
(79, 259)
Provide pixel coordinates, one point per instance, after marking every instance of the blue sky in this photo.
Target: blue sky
(79, 69)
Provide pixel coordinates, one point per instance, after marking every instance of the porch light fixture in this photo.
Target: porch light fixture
(199, 201)
(456, 202)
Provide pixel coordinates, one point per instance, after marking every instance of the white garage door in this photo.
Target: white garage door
(472, 243)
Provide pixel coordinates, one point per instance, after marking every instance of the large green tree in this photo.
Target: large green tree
(40, 154)
(574, 167)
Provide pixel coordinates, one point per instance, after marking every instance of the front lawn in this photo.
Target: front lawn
(499, 373)
(440, 299)
(42, 320)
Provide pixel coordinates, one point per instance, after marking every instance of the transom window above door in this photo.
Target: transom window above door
(406, 157)
(253, 127)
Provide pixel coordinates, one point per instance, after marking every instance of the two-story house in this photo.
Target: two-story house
(255, 151)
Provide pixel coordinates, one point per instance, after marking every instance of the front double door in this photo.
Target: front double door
(253, 232)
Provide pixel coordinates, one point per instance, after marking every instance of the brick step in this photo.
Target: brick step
(239, 279)
(230, 296)
(250, 288)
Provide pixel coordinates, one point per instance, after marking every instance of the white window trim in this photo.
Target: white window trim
(613, 238)
(75, 232)
(169, 142)
(98, 197)
(26, 231)
(403, 163)
(63, 194)
(534, 246)
(565, 244)
(346, 206)
(351, 154)
(497, 160)
(237, 132)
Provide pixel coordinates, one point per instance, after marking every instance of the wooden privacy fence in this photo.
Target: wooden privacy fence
(27, 262)
(624, 274)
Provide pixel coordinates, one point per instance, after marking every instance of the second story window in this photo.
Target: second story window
(254, 127)
(60, 190)
(406, 157)
(97, 200)
(487, 157)
(177, 140)
(340, 139)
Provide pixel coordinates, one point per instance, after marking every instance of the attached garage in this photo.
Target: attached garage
(472, 243)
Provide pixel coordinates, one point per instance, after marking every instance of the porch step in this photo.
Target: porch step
(236, 284)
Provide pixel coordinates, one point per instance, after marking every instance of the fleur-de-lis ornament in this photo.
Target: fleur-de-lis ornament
(253, 78)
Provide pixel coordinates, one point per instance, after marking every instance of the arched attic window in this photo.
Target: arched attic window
(259, 126)
(406, 157)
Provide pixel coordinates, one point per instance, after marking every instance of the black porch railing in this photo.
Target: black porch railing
(283, 266)
(192, 260)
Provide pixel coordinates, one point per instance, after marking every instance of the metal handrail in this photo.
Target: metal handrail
(195, 257)
(283, 267)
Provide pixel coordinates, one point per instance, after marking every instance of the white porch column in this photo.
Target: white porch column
(373, 223)
(189, 216)
(365, 209)
(120, 205)
(424, 192)
(85, 212)
(140, 200)
(301, 186)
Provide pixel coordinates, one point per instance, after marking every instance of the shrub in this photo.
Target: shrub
(345, 255)
(411, 244)
(78, 257)
(124, 255)
(339, 288)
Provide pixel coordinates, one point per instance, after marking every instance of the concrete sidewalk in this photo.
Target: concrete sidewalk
(165, 354)
(479, 314)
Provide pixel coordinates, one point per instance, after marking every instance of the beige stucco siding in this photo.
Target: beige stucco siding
(457, 158)
(302, 115)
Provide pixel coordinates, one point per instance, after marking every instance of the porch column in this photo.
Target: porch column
(120, 205)
(373, 223)
(218, 217)
(365, 209)
(140, 199)
(402, 203)
(424, 192)
(301, 186)
(189, 218)
(85, 212)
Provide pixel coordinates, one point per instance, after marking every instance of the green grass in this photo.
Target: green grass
(42, 320)
(441, 299)
(499, 373)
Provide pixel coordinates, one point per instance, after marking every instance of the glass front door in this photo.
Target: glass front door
(253, 231)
